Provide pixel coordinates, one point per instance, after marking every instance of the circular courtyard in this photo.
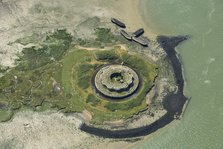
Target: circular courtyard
(116, 81)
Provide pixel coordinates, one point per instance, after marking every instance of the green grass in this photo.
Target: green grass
(3, 70)
(93, 100)
(39, 68)
(34, 88)
(103, 109)
(84, 74)
(106, 55)
(5, 115)
(70, 80)
(104, 37)
(51, 49)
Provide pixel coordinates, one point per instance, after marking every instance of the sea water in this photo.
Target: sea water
(202, 58)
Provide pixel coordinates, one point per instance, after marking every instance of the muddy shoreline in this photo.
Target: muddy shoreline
(173, 102)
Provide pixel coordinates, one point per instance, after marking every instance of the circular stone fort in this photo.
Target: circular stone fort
(116, 81)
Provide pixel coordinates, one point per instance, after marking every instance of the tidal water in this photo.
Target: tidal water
(202, 58)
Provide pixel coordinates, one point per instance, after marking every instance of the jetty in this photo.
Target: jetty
(117, 22)
(128, 36)
(138, 33)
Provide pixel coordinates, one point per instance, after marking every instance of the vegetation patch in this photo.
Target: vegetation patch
(51, 49)
(50, 76)
(103, 37)
(74, 72)
(84, 74)
(5, 115)
(93, 100)
(110, 55)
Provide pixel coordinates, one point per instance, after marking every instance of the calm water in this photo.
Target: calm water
(202, 57)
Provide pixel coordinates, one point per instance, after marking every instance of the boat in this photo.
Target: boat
(140, 41)
(117, 22)
(126, 35)
(138, 33)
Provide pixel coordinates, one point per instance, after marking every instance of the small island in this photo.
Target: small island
(117, 88)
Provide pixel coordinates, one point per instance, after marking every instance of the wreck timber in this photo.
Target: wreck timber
(140, 41)
(126, 35)
(117, 22)
(138, 33)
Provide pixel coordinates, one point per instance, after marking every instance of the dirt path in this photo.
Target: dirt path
(122, 46)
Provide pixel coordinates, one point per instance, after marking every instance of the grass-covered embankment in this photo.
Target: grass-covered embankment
(83, 70)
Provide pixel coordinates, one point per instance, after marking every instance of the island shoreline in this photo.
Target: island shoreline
(134, 20)
(168, 44)
(174, 102)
